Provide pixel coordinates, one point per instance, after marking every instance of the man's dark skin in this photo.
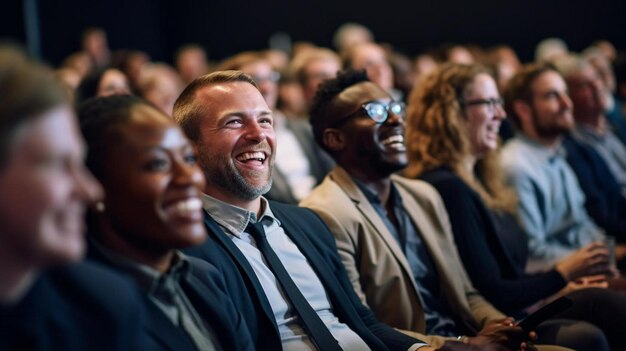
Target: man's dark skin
(371, 153)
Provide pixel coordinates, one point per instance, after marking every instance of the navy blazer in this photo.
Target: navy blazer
(603, 195)
(205, 289)
(315, 241)
(77, 307)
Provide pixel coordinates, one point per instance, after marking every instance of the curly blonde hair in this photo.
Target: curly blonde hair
(437, 135)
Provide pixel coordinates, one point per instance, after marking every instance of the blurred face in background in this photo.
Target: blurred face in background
(373, 59)
(266, 79)
(484, 113)
(113, 82)
(45, 190)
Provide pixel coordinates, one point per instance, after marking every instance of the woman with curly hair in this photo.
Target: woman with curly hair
(452, 137)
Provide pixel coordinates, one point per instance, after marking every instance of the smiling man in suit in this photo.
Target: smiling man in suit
(280, 262)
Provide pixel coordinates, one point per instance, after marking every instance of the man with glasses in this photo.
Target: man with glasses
(299, 165)
(393, 234)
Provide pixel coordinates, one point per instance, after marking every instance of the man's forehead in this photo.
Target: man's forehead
(231, 97)
(548, 80)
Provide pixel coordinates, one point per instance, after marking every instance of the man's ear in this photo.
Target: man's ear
(333, 139)
(523, 110)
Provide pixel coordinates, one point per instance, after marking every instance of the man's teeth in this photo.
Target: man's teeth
(393, 139)
(259, 156)
(187, 206)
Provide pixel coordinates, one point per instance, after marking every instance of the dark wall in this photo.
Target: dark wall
(227, 26)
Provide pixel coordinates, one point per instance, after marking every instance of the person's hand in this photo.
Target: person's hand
(590, 281)
(591, 259)
(620, 252)
(504, 334)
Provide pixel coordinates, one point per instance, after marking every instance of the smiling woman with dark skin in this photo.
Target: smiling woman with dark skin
(152, 208)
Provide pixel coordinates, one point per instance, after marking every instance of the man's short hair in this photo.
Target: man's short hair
(27, 89)
(99, 118)
(188, 110)
(519, 87)
(329, 89)
(299, 64)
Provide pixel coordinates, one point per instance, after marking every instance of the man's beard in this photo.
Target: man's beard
(552, 130)
(221, 172)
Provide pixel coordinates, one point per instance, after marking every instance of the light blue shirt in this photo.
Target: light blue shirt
(233, 220)
(551, 202)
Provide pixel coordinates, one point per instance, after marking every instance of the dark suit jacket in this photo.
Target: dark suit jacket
(204, 287)
(312, 237)
(77, 307)
(603, 195)
(320, 163)
(493, 251)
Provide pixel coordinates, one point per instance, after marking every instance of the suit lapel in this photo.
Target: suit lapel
(163, 330)
(319, 265)
(242, 264)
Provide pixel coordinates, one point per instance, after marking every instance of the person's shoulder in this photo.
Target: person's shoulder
(517, 155)
(96, 282)
(90, 275)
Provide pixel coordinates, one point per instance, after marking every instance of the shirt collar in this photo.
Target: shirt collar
(146, 277)
(545, 153)
(373, 198)
(235, 219)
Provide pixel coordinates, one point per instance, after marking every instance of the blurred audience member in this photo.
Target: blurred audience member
(80, 62)
(69, 79)
(607, 48)
(588, 94)
(373, 59)
(312, 68)
(160, 84)
(130, 62)
(191, 62)
(104, 82)
(46, 303)
(551, 202)
(550, 49)
(94, 43)
(403, 74)
(349, 34)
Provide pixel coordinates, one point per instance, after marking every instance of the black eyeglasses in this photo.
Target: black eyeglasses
(377, 111)
(491, 103)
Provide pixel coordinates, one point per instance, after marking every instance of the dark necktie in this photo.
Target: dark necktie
(318, 332)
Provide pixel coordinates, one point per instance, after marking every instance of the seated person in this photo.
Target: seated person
(457, 155)
(392, 234)
(279, 261)
(47, 300)
(551, 203)
(151, 209)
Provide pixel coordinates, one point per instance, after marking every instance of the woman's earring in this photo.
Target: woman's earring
(100, 206)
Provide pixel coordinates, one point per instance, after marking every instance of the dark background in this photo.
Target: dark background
(226, 27)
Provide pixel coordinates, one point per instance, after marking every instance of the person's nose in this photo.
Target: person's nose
(87, 186)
